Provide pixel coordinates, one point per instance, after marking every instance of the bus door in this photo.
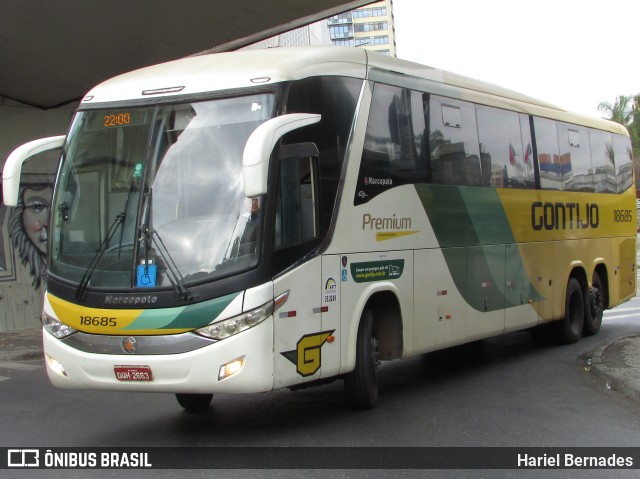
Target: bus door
(299, 337)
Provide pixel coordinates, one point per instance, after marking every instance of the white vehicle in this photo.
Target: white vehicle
(240, 222)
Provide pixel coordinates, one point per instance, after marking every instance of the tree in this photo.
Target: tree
(621, 111)
(634, 127)
(626, 111)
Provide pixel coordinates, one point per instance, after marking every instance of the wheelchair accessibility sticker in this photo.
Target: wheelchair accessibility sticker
(146, 276)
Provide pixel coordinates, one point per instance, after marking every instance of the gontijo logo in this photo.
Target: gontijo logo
(564, 216)
(389, 227)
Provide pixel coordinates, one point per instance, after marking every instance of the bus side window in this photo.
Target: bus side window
(296, 229)
(575, 155)
(335, 99)
(395, 145)
(553, 168)
(527, 144)
(453, 137)
(602, 157)
(623, 161)
(502, 156)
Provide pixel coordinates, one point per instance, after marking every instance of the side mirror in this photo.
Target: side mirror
(259, 146)
(13, 165)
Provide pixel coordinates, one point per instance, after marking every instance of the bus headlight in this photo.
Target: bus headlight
(56, 327)
(228, 327)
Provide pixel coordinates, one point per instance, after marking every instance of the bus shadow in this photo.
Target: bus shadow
(272, 417)
(448, 366)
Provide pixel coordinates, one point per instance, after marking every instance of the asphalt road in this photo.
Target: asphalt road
(501, 392)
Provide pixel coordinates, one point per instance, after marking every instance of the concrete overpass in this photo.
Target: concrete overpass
(52, 52)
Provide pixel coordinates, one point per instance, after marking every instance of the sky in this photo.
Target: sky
(571, 53)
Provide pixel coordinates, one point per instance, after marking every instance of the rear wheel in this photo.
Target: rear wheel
(361, 385)
(194, 402)
(569, 329)
(595, 307)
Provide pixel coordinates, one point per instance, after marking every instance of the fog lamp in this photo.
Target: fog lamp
(56, 366)
(229, 369)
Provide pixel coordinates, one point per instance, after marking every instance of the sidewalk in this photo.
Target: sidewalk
(617, 363)
(21, 345)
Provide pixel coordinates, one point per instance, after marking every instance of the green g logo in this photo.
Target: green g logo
(307, 356)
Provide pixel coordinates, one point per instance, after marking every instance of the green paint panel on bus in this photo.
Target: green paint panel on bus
(188, 317)
(474, 233)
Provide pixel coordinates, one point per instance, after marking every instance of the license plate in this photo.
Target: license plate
(133, 373)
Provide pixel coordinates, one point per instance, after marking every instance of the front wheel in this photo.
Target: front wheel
(194, 402)
(361, 385)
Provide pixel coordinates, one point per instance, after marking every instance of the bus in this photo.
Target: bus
(245, 221)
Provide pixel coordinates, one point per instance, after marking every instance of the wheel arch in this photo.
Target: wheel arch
(578, 272)
(382, 300)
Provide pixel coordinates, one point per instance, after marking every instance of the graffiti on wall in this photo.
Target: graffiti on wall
(7, 259)
(28, 228)
(25, 228)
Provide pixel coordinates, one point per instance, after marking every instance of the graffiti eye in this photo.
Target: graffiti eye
(37, 208)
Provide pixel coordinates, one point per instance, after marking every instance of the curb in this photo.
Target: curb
(611, 375)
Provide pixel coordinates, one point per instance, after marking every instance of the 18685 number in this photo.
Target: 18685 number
(98, 321)
(622, 216)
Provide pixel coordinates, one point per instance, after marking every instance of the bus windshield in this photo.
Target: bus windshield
(147, 196)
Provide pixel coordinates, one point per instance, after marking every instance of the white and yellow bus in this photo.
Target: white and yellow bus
(240, 222)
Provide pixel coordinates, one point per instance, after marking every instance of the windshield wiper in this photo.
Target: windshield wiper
(151, 236)
(120, 219)
(84, 282)
(173, 273)
(126, 210)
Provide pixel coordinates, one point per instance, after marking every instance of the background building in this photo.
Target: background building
(314, 34)
(39, 94)
(369, 27)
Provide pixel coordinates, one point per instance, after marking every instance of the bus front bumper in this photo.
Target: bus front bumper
(245, 359)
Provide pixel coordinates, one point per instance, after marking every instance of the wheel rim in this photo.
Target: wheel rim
(596, 302)
(373, 359)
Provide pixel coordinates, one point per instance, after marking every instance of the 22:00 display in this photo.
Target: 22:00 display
(117, 120)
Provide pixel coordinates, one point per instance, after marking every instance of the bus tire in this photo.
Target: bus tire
(361, 385)
(569, 329)
(194, 402)
(595, 307)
